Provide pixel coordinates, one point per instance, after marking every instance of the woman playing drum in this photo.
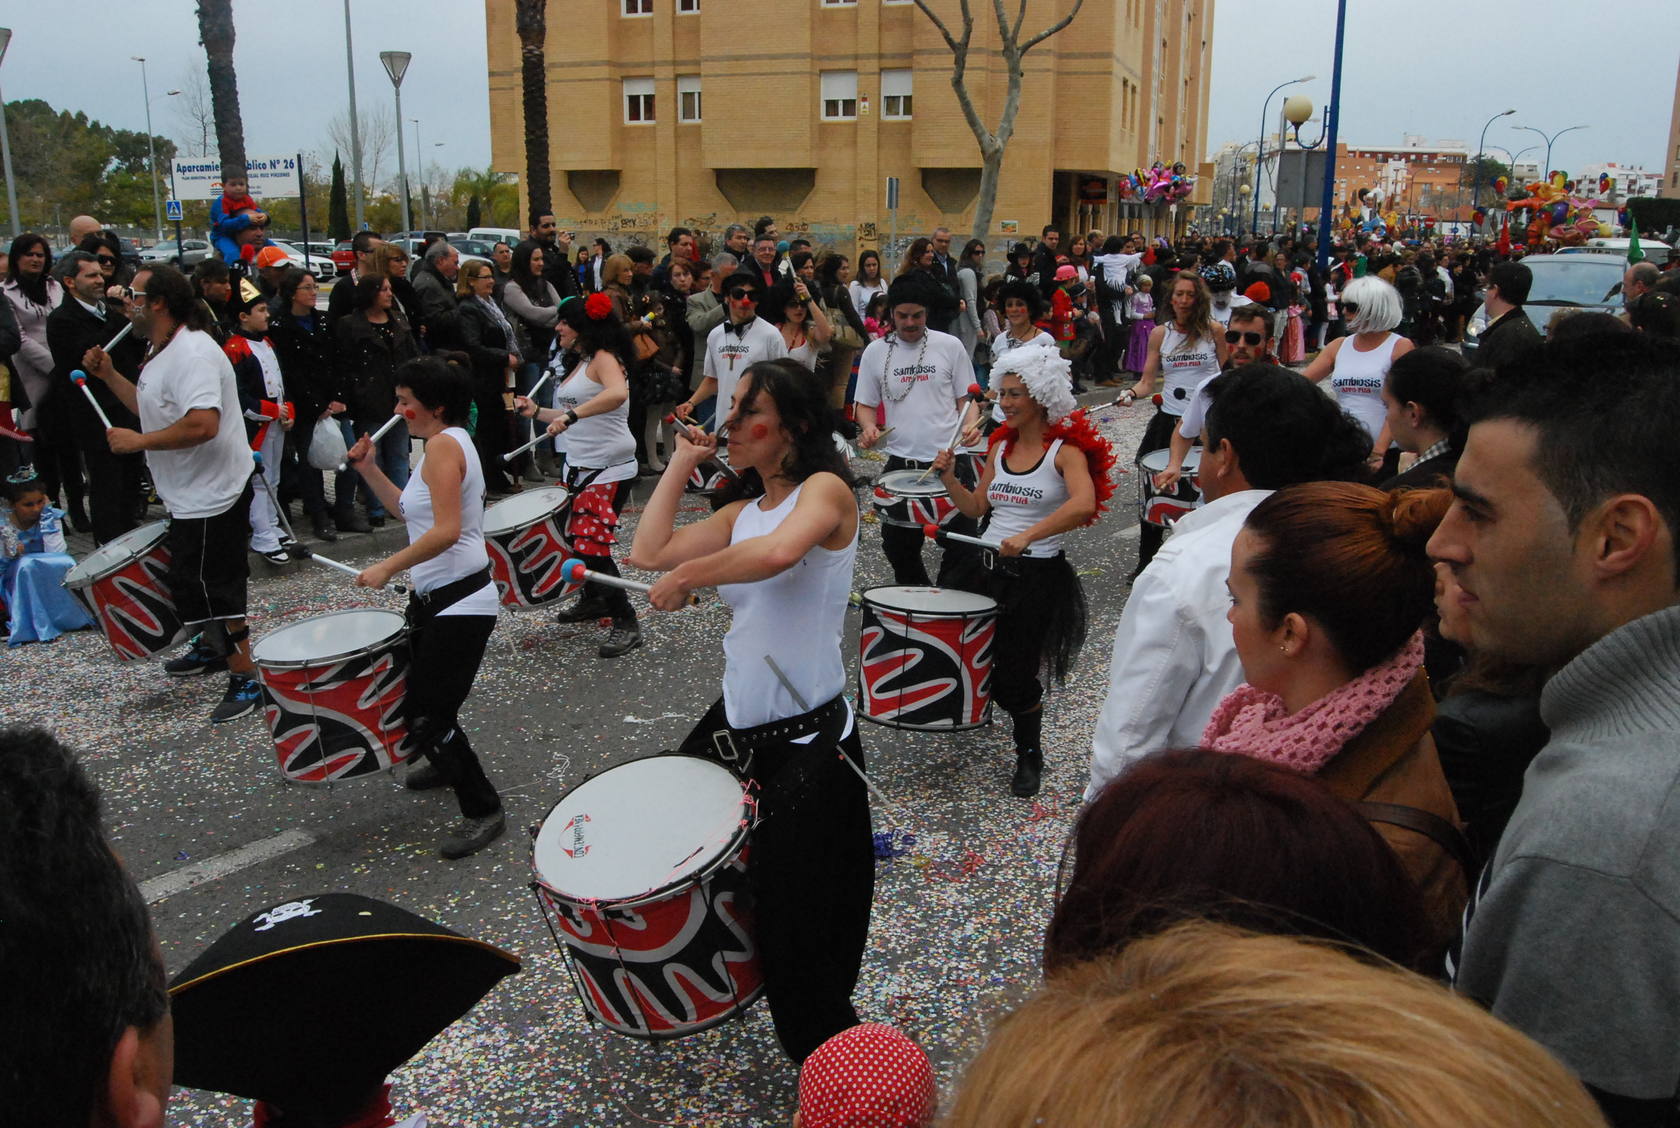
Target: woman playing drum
(452, 609)
(781, 556)
(1047, 473)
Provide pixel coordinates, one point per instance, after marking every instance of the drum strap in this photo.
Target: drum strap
(747, 741)
(429, 603)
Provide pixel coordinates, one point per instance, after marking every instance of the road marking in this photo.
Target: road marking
(1129, 532)
(221, 865)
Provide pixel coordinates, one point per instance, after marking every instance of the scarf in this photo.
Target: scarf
(1252, 722)
(499, 318)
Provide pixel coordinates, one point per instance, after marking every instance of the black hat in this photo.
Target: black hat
(915, 288)
(322, 997)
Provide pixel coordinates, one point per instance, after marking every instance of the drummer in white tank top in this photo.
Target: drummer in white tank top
(783, 561)
(1356, 366)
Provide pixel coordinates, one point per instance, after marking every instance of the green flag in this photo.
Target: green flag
(1635, 254)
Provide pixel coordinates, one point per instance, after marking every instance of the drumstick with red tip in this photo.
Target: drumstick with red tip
(577, 572)
(374, 438)
(81, 379)
(935, 533)
(15, 436)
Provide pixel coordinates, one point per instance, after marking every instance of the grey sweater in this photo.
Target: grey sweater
(1574, 935)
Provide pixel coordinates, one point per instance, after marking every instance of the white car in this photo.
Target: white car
(321, 266)
(187, 255)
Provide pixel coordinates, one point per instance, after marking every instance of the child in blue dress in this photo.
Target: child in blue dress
(33, 561)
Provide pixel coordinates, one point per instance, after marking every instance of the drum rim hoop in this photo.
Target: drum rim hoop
(547, 515)
(325, 659)
(73, 582)
(749, 821)
(920, 613)
(933, 487)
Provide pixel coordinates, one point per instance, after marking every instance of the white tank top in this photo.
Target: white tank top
(1020, 501)
(1358, 380)
(467, 554)
(1185, 362)
(600, 442)
(797, 617)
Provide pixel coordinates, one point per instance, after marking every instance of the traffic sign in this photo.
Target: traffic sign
(172, 210)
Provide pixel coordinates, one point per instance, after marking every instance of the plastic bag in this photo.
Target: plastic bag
(326, 446)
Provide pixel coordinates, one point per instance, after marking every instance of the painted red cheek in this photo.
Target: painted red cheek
(759, 430)
(410, 414)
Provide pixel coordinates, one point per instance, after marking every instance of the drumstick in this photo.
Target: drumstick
(376, 436)
(82, 382)
(15, 436)
(304, 552)
(576, 572)
(117, 340)
(935, 533)
(799, 699)
(975, 391)
(537, 387)
(513, 454)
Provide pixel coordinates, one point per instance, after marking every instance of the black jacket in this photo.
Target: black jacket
(1044, 265)
(1506, 339)
(1486, 743)
(365, 362)
(481, 338)
(306, 362)
(71, 332)
(558, 270)
(1424, 475)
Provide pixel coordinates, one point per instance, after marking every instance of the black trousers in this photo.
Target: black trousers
(812, 869)
(902, 546)
(447, 650)
(299, 479)
(113, 489)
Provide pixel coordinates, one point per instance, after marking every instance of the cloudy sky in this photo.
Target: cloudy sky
(1435, 67)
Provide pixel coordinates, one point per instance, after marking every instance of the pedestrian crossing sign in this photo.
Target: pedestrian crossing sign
(172, 210)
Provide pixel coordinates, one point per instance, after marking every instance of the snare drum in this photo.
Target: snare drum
(1166, 509)
(525, 536)
(333, 688)
(925, 658)
(124, 586)
(903, 497)
(641, 874)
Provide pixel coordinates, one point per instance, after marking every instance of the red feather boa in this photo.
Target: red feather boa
(1076, 430)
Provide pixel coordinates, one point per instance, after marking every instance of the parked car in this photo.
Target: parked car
(1656, 251)
(1583, 280)
(189, 254)
(492, 234)
(344, 257)
(319, 265)
(414, 249)
(478, 247)
(323, 249)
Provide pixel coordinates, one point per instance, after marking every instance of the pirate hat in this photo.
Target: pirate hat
(321, 996)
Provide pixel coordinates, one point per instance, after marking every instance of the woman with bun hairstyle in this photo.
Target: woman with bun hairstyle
(591, 413)
(1329, 587)
(1047, 472)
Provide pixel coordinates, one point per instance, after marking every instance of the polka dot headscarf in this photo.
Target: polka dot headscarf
(869, 1076)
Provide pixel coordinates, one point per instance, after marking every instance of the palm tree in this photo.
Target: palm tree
(533, 85)
(497, 198)
(215, 32)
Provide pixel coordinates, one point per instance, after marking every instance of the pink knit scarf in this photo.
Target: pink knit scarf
(1253, 722)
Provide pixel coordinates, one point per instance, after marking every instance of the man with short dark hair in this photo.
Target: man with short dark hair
(1044, 261)
(557, 254)
(85, 1034)
(679, 243)
(363, 244)
(603, 250)
(742, 340)
(192, 430)
(945, 269)
(1561, 548)
(434, 285)
(1509, 332)
(213, 284)
(766, 262)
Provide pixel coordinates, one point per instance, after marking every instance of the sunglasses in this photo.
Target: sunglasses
(134, 295)
(741, 295)
(1350, 307)
(1250, 337)
(105, 258)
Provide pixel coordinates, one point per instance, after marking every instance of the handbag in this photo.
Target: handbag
(326, 444)
(646, 347)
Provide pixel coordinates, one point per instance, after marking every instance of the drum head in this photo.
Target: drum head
(327, 638)
(522, 509)
(1156, 461)
(637, 828)
(944, 602)
(903, 483)
(113, 554)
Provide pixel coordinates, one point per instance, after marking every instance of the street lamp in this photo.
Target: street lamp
(1260, 154)
(420, 170)
(151, 146)
(6, 147)
(1481, 147)
(396, 65)
(1546, 172)
(1297, 111)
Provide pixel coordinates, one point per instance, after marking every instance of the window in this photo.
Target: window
(688, 97)
(839, 3)
(638, 101)
(895, 95)
(839, 95)
(638, 7)
(688, 7)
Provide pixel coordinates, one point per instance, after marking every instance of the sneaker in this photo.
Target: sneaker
(1028, 767)
(200, 658)
(240, 700)
(278, 556)
(474, 835)
(624, 638)
(423, 775)
(377, 521)
(585, 610)
(350, 521)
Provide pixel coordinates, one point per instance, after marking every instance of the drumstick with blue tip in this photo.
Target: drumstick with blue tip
(376, 436)
(577, 572)
(975, 394)
(935, 533)
(81, 379)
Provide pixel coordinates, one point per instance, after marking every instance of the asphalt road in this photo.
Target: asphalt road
(202, 818)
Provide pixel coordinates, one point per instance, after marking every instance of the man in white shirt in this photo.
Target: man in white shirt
(743, 339)
(922, 375)
(1174, 657)
(193, 434)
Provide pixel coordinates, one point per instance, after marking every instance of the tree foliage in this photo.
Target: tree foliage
(67, 164)
(338, 208)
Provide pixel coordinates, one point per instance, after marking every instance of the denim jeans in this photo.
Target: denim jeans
(392, 458)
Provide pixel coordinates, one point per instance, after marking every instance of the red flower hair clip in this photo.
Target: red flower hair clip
(598, 307)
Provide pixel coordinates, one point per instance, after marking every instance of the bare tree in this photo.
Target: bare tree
(1014, 49)
(194, 113)
(215, 32)
(533, 86)
(378, 131)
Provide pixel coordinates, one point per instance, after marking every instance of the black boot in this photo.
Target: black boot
(1029, 757)
(323, 526)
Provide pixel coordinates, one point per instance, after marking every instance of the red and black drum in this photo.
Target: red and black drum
(1167, 509)
(525, 537)
(124, 584)
(915, 498)
(641, 874)
(925, 658)
(333, 688)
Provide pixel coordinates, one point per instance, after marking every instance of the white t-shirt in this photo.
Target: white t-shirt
(728, 355)
(862, 294)
(192, 373)
(920, 390)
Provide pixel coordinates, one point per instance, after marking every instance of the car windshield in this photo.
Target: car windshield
(1575, 280)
